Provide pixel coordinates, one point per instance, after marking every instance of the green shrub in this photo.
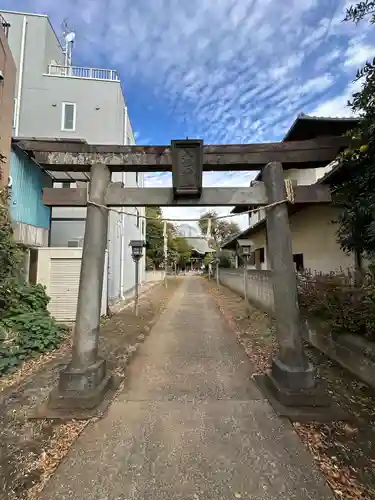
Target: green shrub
(344, 307)
(18, 297)
(25, 335)
(224, 261)
(26, 327)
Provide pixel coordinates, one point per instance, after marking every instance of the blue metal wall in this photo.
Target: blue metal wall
(28, 180)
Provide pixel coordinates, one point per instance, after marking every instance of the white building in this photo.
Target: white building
(55, 99)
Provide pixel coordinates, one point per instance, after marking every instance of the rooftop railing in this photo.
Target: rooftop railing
(109, 75)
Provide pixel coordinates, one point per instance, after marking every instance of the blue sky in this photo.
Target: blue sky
(227, 71)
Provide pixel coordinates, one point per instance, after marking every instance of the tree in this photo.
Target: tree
(354, 187)
(225, 258)
(221, 230)
(11, 253)
(154, 236)
(208, 259)
(357, 12)
(178, 249)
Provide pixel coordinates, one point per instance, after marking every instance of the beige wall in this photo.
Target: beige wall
(8, 68)
(302, 177)
(307, 176)
(313, 235)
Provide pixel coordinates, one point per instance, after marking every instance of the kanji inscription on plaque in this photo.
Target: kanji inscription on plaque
(187, 167)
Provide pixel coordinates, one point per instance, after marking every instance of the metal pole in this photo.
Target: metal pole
(245, 281)
(136, 287)
(165, 254)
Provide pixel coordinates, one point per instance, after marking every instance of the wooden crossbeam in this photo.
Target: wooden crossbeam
(118, 196)
(75, 156)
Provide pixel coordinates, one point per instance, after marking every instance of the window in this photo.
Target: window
(143, 227)
(136, 178)
(68, 118)
(298, 261)
(261, 255)
(137, 217)
(65, 185)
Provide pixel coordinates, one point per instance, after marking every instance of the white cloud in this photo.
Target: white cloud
(229, 71)
(337, 106)
(357, 54)
(327, 59)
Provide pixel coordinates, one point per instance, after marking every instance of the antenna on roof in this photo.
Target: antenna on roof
(69, 37)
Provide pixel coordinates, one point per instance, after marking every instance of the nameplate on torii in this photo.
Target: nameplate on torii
(187, 168)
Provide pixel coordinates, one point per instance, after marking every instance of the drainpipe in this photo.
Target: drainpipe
(122, 243)
(20, 76)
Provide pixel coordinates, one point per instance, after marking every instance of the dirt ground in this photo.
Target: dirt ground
(344, 452)
(31, 450)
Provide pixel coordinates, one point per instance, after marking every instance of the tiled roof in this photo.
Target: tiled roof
(340, 118)
(199, 244)
(295, 131)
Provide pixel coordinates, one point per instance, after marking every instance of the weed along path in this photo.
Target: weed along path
(31, 450)
(189, 423)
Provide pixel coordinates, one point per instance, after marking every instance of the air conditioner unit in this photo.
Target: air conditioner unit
(78, 243)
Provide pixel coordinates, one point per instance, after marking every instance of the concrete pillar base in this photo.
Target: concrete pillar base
(81, 389)
(301, 376)
(309, 405)
(296, 385)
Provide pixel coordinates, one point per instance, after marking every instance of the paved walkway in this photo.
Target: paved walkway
(190, 425)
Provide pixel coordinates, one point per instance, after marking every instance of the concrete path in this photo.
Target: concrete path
(190, 424)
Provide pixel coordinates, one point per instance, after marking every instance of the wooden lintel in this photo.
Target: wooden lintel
(73, 156)
(118, 196)
(161, 197)
(315, 193)
(65, 197)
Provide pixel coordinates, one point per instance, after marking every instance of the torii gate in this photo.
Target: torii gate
(84, 383)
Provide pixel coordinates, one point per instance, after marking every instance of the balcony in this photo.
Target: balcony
(5, 25)
(108, 75)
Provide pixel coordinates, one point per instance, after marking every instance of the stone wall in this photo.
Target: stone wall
(259, 285)
(154, 276)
